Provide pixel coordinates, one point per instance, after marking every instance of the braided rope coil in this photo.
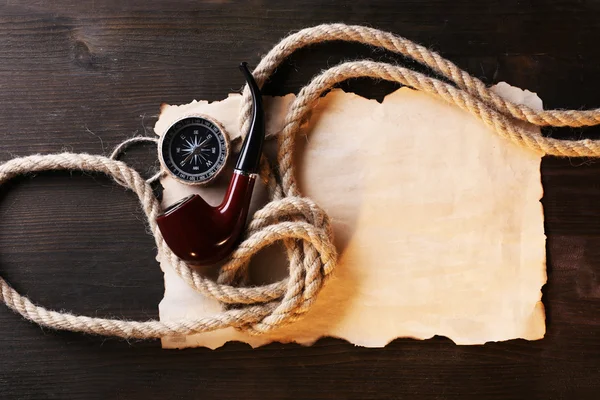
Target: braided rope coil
(302, 226)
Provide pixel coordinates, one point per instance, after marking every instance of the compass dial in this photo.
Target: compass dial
(194, 150)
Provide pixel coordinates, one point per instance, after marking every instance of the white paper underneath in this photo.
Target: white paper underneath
(437, 220)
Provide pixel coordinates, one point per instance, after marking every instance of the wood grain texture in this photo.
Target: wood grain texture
(84, 75)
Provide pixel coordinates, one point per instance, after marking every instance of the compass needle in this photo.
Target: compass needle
(185, 160)
(205, 141)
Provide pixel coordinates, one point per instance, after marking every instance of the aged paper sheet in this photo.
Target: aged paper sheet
(437, 220)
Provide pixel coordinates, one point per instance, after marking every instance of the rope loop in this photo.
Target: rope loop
(258, 309)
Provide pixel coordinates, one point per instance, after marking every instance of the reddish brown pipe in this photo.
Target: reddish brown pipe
(201, 234)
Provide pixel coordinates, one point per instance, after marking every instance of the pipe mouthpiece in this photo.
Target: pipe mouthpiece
(249, 159)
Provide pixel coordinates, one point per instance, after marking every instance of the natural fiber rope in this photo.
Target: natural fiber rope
(298, 222)
(263, 312)
(124, 145)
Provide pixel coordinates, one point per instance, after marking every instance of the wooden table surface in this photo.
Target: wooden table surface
(82, 76)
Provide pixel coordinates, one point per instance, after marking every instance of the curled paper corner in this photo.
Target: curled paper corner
(518, 95)
(438, 223)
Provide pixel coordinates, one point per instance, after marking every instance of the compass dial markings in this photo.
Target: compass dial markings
(189, 152)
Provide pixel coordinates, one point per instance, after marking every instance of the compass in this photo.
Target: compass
(194, 150)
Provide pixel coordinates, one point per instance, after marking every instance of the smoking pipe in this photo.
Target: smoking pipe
(202, 234)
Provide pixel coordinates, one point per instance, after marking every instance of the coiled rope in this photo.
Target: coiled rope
(299, 223)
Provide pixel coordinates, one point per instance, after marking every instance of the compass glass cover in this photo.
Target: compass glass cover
(194, 150)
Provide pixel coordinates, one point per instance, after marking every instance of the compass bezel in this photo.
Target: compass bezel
(164, 146)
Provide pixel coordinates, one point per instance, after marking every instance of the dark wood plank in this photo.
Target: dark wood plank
(83, 76)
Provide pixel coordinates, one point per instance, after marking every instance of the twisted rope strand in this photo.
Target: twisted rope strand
(300, 224)
(422, 55)
(497, 121)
